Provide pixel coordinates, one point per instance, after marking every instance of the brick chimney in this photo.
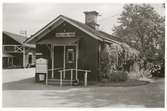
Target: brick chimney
(91, 19)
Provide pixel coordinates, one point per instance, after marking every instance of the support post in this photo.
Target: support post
(64, 76)
(24, 58)
(52, 55)
(12, 61)
(117, 55)
(64, 61)
(46, 74)
(46, 78)
(77, 50)
(71, 76)
(85, 79)
(61, 78)
(8, 61)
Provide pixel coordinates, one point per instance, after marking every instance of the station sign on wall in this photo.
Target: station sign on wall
(66, 34)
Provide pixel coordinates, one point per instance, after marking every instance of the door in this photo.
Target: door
(58, 60)
(29, 59)
(64, 56)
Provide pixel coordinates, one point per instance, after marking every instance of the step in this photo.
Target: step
(58, 80)
(64, 82)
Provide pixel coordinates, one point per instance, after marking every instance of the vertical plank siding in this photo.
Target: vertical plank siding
(87, 48)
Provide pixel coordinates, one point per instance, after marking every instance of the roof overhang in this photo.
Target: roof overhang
(59, 41)
(8, 55)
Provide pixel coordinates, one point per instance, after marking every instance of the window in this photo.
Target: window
(70, 55)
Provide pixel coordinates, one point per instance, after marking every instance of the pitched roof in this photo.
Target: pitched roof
(19, 38)
(97, 34)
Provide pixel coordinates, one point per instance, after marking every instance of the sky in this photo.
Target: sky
(32, 17)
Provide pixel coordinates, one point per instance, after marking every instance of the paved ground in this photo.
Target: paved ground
(11, 75)
(26, 93)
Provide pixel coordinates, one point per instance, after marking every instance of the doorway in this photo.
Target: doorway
(30, 59)
(64, 57)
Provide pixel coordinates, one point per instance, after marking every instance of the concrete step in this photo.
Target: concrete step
(64, 82)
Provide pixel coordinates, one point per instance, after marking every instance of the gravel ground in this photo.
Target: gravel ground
(21, 91)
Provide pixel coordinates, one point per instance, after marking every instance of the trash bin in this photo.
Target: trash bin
(41, 77)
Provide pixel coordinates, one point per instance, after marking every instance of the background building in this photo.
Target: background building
(16, 53)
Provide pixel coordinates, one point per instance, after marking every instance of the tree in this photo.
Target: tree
(143, 28)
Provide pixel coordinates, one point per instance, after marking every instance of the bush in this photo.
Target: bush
(118, 76)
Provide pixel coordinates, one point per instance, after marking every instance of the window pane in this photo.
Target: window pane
(70, 55)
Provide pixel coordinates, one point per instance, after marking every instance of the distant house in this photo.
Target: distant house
(16, 53)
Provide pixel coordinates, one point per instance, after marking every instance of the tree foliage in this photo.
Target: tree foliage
(143, 28)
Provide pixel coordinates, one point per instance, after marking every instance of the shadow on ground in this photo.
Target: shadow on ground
(28, 84)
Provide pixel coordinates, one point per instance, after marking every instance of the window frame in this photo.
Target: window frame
(72, 58)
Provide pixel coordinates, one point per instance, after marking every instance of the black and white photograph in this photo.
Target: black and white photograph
(83, 55)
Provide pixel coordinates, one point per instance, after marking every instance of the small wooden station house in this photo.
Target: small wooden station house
(72, 48)
(16, 53)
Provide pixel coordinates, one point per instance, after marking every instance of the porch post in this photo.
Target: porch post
(76, 66)
(8, 61)
(61, 81)
(24, 57)
(52, 55)
(85, 78)
(12, 61)
(71, 76)
(64, 62)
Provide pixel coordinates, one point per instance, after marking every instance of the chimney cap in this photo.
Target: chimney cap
(91, 12)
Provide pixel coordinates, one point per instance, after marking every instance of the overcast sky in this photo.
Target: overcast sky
(32, 17)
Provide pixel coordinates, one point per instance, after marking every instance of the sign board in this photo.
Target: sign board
(38, 53)
(66, 34)
(41, 65)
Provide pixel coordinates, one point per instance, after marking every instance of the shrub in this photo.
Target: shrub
(104, 63)
(118, 76)
(157, 71)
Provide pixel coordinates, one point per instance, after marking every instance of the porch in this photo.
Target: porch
(18, 56)
(13, 56)
(62, 62)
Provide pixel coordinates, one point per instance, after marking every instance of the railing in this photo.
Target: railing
(76, 76)
(54, 69)
(12, 48)
(62, 75)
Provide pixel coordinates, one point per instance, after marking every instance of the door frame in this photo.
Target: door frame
(64, 56)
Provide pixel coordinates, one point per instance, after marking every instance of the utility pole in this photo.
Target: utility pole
(24, 33)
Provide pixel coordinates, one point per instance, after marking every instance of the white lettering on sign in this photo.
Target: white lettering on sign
(66, 34)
